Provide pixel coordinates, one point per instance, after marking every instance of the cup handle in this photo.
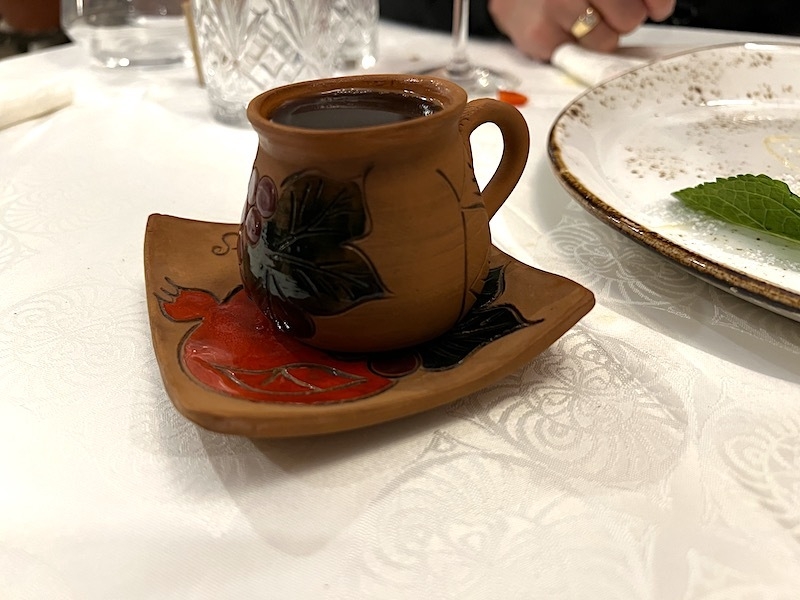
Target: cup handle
(516, 143)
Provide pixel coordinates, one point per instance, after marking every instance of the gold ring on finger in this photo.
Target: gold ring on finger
(585, 23)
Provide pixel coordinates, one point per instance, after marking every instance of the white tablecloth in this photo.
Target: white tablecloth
(653, 452)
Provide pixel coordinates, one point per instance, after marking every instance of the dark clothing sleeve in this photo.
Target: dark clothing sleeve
(761, 16)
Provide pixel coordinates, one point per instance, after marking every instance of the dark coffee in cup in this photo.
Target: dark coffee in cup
(353, 109)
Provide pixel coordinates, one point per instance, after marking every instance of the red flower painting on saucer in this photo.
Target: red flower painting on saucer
(236, 350)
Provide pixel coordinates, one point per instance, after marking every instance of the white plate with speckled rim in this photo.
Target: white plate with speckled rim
(623, 147)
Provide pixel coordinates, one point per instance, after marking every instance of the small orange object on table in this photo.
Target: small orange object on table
(513, 98)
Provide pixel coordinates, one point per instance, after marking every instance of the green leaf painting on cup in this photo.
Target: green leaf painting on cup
(307, 234)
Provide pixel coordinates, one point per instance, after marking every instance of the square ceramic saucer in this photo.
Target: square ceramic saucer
(227, 369)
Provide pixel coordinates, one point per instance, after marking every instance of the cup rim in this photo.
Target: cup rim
(449, 95)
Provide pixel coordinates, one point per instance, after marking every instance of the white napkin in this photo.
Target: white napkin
(590, 67)
(22, 100)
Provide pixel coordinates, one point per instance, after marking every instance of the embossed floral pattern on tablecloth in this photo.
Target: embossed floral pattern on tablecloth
(652, 452)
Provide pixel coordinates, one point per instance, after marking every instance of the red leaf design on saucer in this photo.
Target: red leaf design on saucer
(237, 351)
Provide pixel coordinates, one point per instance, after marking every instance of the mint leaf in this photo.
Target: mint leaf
(754, 201)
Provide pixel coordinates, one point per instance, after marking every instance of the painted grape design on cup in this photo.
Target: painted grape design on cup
(266, 197)
(262, 197)
(298, 248)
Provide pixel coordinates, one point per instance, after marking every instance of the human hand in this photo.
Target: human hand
(538, 27)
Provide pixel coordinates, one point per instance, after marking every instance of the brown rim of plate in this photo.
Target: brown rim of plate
(718, 274)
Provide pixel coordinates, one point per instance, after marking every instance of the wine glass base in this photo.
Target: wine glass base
(477, 81)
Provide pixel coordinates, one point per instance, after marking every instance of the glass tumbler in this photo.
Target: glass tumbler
(250, 46)
(355, 24)
(129, 33)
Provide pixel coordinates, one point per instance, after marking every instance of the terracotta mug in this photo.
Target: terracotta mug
(364, 228)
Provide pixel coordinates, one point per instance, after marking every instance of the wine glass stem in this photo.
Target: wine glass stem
(459, 65)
